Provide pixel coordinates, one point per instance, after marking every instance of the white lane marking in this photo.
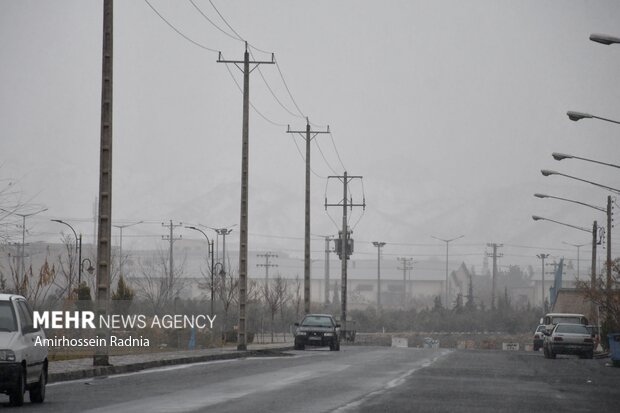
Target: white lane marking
(420, 364)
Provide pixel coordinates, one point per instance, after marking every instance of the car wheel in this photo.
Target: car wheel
(590, 354)
(551, 354)
(337, 345)
(545, 352)
(37, 391)
(298, 346)
(16, 397)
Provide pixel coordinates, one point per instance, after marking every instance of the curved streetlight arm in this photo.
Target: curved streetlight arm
(63, 222)
(448, 240)
(560, 156)
(570, 200)
(547, 172)
(537, 218)
(201, 231)
(575, 116)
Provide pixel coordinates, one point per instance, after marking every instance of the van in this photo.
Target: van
(551, 319)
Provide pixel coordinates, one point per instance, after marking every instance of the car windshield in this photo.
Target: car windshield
(572, 329)
(317, 321)
(7, 317)
(540, 328)
(558, 320)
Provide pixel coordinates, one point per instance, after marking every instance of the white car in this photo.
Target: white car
(23, 365)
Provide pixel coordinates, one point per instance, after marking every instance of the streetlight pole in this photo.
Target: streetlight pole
(209, 252)
(78, 250)
(120, 248)
(447, 241)
(543, 257)
(223, 232)
(379, 245)
(594, 243)
(24, 216)
(578, 246)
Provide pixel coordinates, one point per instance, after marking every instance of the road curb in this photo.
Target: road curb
(99, 371)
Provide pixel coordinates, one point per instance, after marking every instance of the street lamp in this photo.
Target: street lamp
(447, 241)
(570, 200)
(575, 116)
(578, 246)
(209, 252)
(78, 250)
(609, 220)
(547, 172)
(379, 245)
(23, 254)
(561, 156)
(120, 250)
(604, 39)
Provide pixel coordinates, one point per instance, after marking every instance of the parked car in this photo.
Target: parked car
(551, 319)
(317, 330)
(23, 355)
(539, 337)
(569, 339)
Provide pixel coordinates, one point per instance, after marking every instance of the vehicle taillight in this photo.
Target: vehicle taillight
(558, 339)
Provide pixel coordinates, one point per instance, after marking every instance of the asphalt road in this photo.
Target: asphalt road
(366, 379)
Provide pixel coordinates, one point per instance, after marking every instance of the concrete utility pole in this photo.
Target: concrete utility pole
(407, 266)
(543, 257)
(171, 239)
(267, 264)
(379, 245)
(307, 135)
(609, 280)
(327, 251)
(104, 233)
(495, 255)
(245, 156)
(344, 245)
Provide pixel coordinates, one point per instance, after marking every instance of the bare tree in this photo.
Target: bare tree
(154, 284)
(275, 296)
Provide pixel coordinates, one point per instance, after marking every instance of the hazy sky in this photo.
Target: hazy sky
(448, 109)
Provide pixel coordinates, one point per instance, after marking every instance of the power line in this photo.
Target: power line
(178, 31)
(211, 21)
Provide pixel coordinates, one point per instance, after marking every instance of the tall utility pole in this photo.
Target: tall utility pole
(379, 245)
(543, 257)
(327, 251)
(243, 224)
(495, 255)
(267, 264)
(608, 280)
(170, 238)
(344, 245)
(407, 266)
(307, 135)
(104, 233)
(447, 241)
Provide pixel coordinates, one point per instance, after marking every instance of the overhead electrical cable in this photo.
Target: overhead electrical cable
(202, 46)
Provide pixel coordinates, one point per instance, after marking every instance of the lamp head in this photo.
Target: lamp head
(541, 196)
(604, 39)
(547, 172)
(575, 116)
(559, 156)
(536, 218)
